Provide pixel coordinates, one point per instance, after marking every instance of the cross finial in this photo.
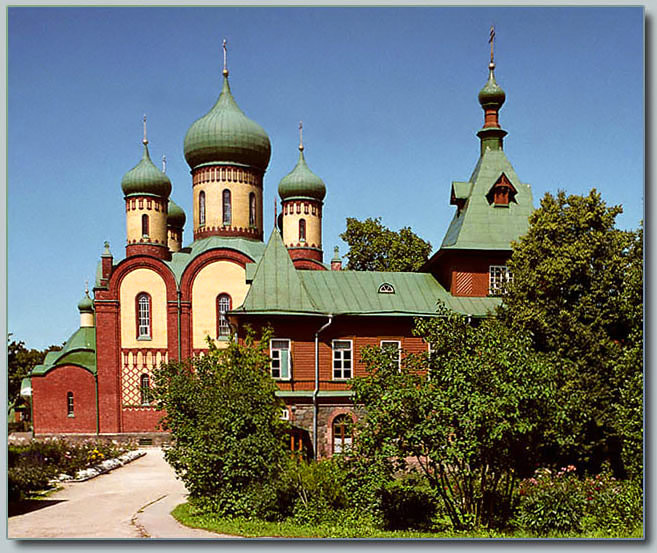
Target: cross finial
(275, 212)
(491, 41)
(164, 164)
(301, 135)
(225, 71)
(86, 287)
(145, 140)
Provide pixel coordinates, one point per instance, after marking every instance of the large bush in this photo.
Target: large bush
(562, 502)
(228, 442)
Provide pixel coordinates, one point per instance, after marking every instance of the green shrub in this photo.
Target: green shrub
(408, 503)
(559, 501)
(26, 479)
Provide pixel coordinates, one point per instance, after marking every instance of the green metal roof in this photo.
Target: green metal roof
(145, 178)
(491, 96)
(301, 182)
(480, 225)
(180, 260)
(80, 350)
(226, 134)
(276, 285)
(280, 289)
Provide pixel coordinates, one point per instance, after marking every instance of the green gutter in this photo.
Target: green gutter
(179, 309)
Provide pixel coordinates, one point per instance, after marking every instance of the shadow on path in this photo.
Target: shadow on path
(16, 508)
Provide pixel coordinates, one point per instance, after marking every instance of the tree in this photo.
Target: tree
(228, 442)
(20, 361)
(577, 291)
(374, 247)
(473, 415)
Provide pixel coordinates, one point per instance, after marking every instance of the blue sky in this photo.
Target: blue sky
(388, 97)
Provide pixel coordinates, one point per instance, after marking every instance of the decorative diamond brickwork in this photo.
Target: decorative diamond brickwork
(136, 362)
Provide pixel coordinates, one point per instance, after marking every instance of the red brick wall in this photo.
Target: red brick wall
(141, 419)
(305, 253)
(161, 252)
(301, 333)
(308, 264)
(49, 395)
(466, 273)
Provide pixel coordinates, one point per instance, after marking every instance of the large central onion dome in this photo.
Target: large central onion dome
(146, 179)
(226, 134)
(301, 182)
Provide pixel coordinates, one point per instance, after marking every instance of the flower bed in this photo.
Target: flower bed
(39, 464)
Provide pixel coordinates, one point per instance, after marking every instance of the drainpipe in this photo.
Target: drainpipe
(316, 390)
(97, 406)
(179, 309)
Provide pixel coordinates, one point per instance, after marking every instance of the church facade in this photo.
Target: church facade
(162, 300)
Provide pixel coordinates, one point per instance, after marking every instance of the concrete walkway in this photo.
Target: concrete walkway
(133, 501)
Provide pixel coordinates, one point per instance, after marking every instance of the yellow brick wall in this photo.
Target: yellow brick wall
(157, 220)
(220, 277)
(291, 225)
(135, 282)
(239, 192)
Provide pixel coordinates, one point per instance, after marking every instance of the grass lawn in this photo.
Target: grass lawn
(288, 529)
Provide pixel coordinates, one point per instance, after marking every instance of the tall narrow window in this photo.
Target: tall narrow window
(302, 230)
(342, 356)
(70, 406)
(201, 208)
(252, 210)
(223, 306)
(498, 276)
(145, 389)
(279, 351)
(144, 225)
(226, 202)
(342, 433)
(143, 316)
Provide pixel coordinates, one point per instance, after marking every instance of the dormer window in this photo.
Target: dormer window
(502, 193)
(386, 288)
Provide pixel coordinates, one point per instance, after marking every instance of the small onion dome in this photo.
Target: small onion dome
(145, 178)
(301, 182)
(491, 96)
(176, 216)
(86, 304)
(226, 134)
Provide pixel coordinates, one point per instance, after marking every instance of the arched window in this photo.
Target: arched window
(70, 406)
(302, 230)
(145, 389)
(224, 305)
(342, 433)
(144, 225)
(201, 208)
(252, 210)
(143, 316)
(226, 202)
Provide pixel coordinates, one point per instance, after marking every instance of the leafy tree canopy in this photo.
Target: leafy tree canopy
(473, 415)
(577, 291)
(374, 247)
(228, 440)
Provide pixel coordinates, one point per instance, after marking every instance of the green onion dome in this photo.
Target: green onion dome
(226, 134)
(146, 179)
(86, 304)
(491, 96)
(301, 182)
(175, 216)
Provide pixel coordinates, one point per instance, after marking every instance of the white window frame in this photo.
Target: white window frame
(277, 358)
(341, 360)
(498, 275)
(285, 414)
(398, 342)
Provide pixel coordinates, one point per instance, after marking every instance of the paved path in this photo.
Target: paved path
(133, 501)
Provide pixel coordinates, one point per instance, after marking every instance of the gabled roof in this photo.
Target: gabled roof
(481, 225)
(276, 286)
(80, 350)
